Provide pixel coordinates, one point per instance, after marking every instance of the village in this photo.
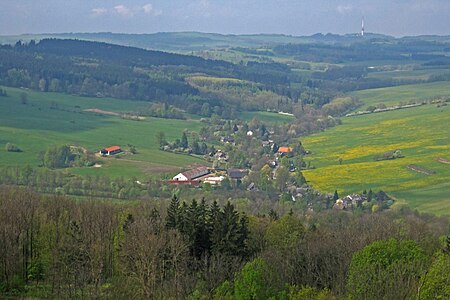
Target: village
(268, 167)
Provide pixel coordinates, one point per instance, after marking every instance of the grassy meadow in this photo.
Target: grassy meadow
(39, 124)
(405, 93)
(422, 134)
(266, 117)
(409, 75)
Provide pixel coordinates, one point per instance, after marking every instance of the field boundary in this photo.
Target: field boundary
(443, 160)
(420, 169)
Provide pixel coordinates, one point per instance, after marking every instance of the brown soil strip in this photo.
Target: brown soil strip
(102, 112)
(111, 113)
(420, 169)
(443, 161)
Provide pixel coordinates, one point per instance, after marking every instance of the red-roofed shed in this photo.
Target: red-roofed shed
(284, 150)
(111, 150)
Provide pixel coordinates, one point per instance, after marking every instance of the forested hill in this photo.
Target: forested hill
(121, 54)
(105, 70)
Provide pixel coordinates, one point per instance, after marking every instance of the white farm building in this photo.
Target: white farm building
(192, 174)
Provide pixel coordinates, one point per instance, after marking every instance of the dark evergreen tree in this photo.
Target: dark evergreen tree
(196, 148)
(336, 195)
(369, 195)
(226, 232)
(184, 141)
(273, 215)
(172, 219)
(243, 237)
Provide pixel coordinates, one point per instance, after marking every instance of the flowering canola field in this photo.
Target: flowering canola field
(343, 156)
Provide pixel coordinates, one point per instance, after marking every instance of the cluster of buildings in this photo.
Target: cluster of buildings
(206, 175)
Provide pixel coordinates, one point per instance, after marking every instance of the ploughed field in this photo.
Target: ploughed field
(49, 119)
(421, 177)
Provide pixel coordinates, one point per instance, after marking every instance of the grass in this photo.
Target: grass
(405, 93)
(36, 126)
(266, 117)
(422, 134)
(406, 75)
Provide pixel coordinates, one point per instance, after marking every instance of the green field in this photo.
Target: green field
(266, 117)
(405, 93)
(37, 125)
(423, 136)
(406, 75)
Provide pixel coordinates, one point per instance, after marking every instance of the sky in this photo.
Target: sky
(292, 17)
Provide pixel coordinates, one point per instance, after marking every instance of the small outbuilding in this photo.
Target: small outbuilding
(110, 150)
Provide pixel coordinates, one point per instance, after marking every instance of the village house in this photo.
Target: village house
(221, 156)
(110, 150)
(236, 174)
(284, 150)
(340, 204)
(192, 174)
(228, 140)
(352, 200)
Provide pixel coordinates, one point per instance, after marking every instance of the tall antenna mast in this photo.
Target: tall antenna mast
(362, 26)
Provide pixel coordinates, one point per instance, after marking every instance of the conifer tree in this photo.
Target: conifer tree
(173, 213)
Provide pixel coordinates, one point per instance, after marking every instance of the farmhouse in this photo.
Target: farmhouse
(191, 174)
(284, 150)
(110, 150)
(236, 174)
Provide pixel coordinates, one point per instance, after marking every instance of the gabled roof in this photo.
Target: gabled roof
(195, 173)
(237, 174)
(112, 148)
(284, 150)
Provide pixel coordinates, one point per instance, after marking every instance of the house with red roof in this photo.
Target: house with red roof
(110, 150)
(285, 150)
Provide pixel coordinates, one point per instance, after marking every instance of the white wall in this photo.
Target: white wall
(180, 177)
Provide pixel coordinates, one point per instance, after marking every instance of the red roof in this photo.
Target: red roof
(112, 148)
(285, 150)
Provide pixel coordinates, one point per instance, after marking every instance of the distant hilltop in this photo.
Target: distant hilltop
(197, 41)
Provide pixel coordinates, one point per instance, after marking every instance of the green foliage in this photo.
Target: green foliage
(184, 141)
(435, 284)
(58, 157)
(3, 93)
(224, 291)
(161, 139)
(386, 270)
(256, 281)
(285, 232)
(12, 148)
(160, 110)
(309, 293)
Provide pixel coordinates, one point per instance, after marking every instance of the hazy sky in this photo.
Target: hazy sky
(296, 17)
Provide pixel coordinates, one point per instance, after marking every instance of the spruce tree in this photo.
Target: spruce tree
(184, 141)
(336, 195)
(173, 213)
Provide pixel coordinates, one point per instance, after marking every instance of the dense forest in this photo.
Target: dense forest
(105, 70)
(56, 247)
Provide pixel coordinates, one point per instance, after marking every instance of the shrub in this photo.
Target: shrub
(12, 148)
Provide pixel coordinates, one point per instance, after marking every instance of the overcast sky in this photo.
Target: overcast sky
(296, 17)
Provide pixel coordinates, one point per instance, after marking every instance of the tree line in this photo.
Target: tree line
(57, 247)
